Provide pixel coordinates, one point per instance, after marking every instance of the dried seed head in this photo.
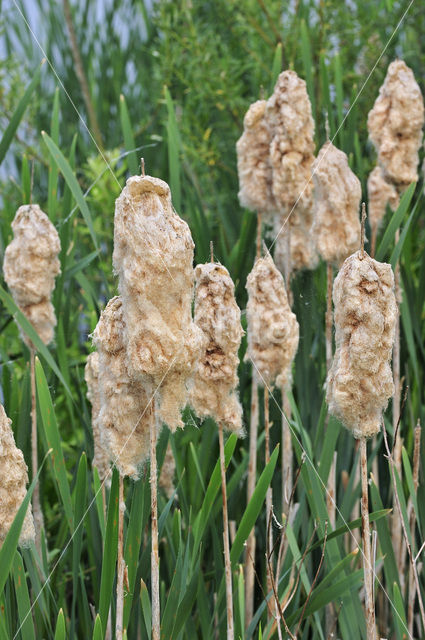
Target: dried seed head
(291, 154)
(273, 329)
(124, 417)
(337, 194)
(213, 392)
(153, 257)
(297, 238)
(30, 267)
(13, 481)
(168, 469)
(91, 375)
(254, 168)
(395, 125)
(360, 380)
(380, 193)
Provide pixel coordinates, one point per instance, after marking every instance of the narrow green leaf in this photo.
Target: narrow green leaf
(174, 149)
(395, 223)
(276, 66)
(52, 189)
(18, 113)
(79, 507)
(72, 183)
(109, 553)
(399, 246)
(146, 608)
(97, 630)
(129, 142)
(308, 64)
(60, 633)
(22, 599)
(399, 613)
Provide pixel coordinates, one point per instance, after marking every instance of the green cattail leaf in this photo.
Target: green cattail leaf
(174, 150)
(52, 189)
(185, 607)
(99, 501)
(60, 633)
(53, 439)
(109, 553)
(253, 509)
(18, 114)
(129, 142)
(26, 180)
(395, 222)
(409, 479)
(384, 537)
(406, 322)
(32, 334)
(22, 598)
(308, 65)
(81, 264)
(79, 503)
(399, 613)
(146, 608)
(97, 630)
(339, 99)
(276, 65)
(399, 246)
(72, 182)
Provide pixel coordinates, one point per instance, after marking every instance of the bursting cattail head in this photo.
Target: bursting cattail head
(292, 155)
(168, 470)
(91, 375)
(360, 380)
(213, 390)
(380, 193)
(337, 194)
(395, 125)
(30, 267)
(153, 257)
(273, 329)
(254, 168)
(13, 481)
(125, 412)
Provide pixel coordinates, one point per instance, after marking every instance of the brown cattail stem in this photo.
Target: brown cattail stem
(286, 454)
(252, 475)
(154, 528)
(367, 556)
(228, 570)
(120, 562)
(36, 505)
(412, 522)
(329, 273)
(269, 495)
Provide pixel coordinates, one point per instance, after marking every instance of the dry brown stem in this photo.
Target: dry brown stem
(367, 556)
(120, 562)
(251, 483)
(36, 504)
(228, 567)
(412, 522)
(154, 527)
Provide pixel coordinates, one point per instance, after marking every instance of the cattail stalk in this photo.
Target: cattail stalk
(227, 564)
(252, 475)
(269, 494)
(367, 556)
(120, 562)
(36, 503)
(412, 522)
(154, 530)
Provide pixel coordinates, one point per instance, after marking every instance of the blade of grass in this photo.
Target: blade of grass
(22, 599)
(395, 223)
(129, 143)
(109, 553)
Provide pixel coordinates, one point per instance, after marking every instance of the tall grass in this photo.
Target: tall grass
(213, 60)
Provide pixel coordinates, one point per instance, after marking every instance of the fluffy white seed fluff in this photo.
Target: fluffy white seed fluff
(91, 375)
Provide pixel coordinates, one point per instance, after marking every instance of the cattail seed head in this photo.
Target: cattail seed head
(254, 167)
(380, 193)
(360, 380)
(30, 267)
(124, 417)
(153, 257)
(291, 155)
(213, 391)
(337, 194)
(395, 125)
(273, 329)
(168, 470)
(13, 481)
(91, 375)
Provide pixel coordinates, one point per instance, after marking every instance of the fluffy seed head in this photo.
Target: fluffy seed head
(153, 257)
(273, 329)
(380, 193)
(91, 375)
(30, 267)
(395, 125)
(168, 469)
(213, 391)
(13, 481)
(291, 155)
(337, 194)
(360, 380)
(124, 418)
(254, 167)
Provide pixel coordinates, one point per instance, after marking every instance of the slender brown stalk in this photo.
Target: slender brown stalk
(120, 563)
(331, 490)
(286, 454)
(154, 527)
(269, 496)
(79, 70)
(412, 522)
(36, 504)
(329, 273)
(367, 557)
(229, 595)
(252, 473)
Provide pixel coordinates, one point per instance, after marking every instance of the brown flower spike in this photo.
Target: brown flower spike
(273, 329)
(30, 267)
(360, 380)
(124, 417)
(254, 167)
(213, 390)
(337, 194)
(153, 257)
(91, 375)
(395, 125)
(13, 481)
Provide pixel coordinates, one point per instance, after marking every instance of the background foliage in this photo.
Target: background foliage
(171, 82)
